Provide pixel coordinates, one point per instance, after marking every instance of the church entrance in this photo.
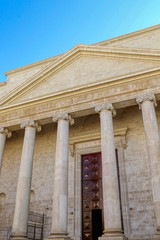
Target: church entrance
(92, 199)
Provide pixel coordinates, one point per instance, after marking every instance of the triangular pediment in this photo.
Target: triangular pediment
(81, 67)
(148, 38)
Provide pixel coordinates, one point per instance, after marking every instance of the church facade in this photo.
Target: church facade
(79, 142)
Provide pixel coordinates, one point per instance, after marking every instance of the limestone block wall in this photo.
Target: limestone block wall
(9, 177)
(42, 176)
(141, 215)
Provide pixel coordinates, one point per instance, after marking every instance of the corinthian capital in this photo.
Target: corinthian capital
(5, 131)
(31, 123)
(64, 116)
(105, 106)
(146, 97)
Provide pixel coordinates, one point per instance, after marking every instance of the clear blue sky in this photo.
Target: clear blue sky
(33, 30)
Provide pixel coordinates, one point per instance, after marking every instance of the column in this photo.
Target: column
(60, 193)
(19, 229)
(111, 202)
(3, 133)
(147, 104)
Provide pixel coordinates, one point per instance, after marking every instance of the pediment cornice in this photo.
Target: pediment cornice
(128, 36)
(116, 82)
(71, 55)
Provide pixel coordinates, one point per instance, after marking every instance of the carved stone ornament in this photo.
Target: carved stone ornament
(5, 131)
(64, 116)
(31, 123)
(147, 97)
(105, 106)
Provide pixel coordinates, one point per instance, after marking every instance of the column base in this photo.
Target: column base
(156, 236)
(58, 236)
(18, 237)
(112, 237)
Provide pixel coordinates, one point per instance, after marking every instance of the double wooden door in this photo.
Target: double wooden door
(92, 199)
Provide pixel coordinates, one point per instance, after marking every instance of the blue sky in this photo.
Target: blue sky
(33, 30)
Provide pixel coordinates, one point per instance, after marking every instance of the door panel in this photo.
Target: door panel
(92, 199)
(91, 191)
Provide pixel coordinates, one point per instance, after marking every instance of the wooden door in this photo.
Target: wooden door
(92, 198)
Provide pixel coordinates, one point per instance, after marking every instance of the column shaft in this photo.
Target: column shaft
(3, 134)
(19, 230)
(153, 149)
(2, 145)
(60, 193)
(60, 200)
(111, 202)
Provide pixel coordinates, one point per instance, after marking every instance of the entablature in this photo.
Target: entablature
(80, 102)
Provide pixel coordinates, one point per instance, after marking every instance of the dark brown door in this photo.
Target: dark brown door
(92, 199)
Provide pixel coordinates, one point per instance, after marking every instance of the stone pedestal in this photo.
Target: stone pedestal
(60, 193)
(147, 105)
(3, 134)
(111, 202)
(19, 229)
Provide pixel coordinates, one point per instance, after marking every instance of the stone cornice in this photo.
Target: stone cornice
(2, 84)
(126, 36)
(92, 137)
(91, 87)
(72, 54)
(129, 35)
(48, 60)
(121, 95)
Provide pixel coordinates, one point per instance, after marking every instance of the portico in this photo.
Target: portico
(112, 228)
(86, 86)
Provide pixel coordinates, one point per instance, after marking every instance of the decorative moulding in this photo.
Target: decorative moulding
(95, 136)
(79, 50)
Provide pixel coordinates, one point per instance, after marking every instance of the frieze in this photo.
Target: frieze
(45, 108)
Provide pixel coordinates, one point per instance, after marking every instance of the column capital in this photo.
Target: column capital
(6, 131)
(64, 116)
(105, 106)
(146, 97)
(31, 123)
